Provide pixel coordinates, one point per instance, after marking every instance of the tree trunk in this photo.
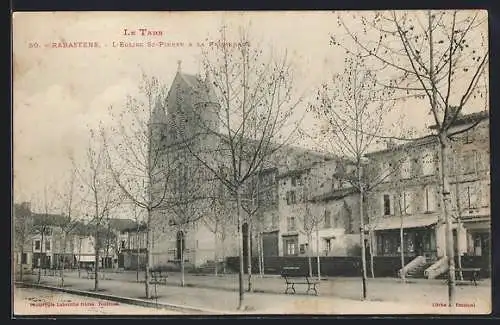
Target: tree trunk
(372, 267)
(317, 254)
(249, 258)
(459, 225)
(362, 230)
(223, 243)
(41, 258)
(96, 263)
(182, 259)
(62, 267)
(401, 248)
(148, 252)
(79, 254)
(263, 270)
(445, 192)
(240, 250)
(259, 253)
(309, 253)
(138, 268)
(21, 260)
(215, 254)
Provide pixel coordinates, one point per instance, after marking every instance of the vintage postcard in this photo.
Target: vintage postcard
(281, 162)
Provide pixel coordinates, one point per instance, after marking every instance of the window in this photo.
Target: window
(291, 226)
(328, 219)
(468, 162)
(328, 246)
(37, 244)
(274, 220)
(405, 201)
(481, 161)
(290, 245)
(303, 248)
(387, 205)
(406, 169)
(350, 225)
(385, 171)
(296, 181)
(468, 138)
(471, 193)
(290, 197)
(123, 244)
(428, 160)
(47, 245)
(24, 258)
(429, 199)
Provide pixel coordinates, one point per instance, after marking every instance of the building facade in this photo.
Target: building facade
(268, 207)
(408, 195)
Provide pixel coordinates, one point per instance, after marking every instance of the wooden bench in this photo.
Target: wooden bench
(471, 274)
(295, 275)
(158, 277)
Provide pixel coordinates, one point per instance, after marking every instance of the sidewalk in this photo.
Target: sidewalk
(379, 289)
(226, 300)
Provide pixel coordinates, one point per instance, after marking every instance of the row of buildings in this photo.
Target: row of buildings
(53, 241)
(305, 202)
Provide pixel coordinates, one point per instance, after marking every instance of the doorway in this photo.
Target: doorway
(419, 243)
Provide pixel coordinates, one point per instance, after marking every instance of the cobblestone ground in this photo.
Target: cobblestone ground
(337, 295)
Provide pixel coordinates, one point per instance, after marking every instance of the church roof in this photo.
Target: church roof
(202, 90)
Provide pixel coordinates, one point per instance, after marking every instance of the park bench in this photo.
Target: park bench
(295, 275)
(471, 275)
(158, 277)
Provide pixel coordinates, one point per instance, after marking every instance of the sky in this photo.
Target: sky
(60, 93)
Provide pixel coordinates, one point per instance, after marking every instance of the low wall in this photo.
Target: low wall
(384, 266)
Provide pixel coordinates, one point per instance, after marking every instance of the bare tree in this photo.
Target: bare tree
(187, 201)
(43, 226)
(438, 56)
(311, 220)
(69, 223)
(352, 109)
(251, 107)
(218, 221)
(139, 157)
(103, 196)
(402, 210)
(252, 206)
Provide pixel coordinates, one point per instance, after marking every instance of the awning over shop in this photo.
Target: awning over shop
(387, 223)
(86, 258)
(477, 224)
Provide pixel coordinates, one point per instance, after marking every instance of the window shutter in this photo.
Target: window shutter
(431, 199)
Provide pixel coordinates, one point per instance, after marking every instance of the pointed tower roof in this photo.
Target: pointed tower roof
(201, 90)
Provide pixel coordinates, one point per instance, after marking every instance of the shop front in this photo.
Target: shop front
(416, 242)
(419, 236)
(479, 241)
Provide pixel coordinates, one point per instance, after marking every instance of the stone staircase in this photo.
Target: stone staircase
(208, 268)
(418, 271)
